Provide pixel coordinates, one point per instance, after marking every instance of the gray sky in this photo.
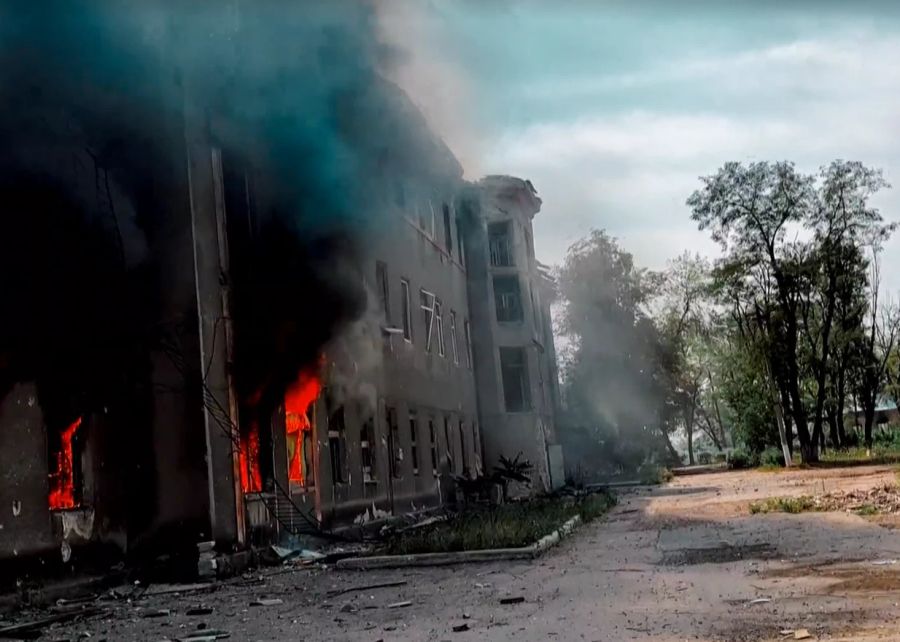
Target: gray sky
(614, 109)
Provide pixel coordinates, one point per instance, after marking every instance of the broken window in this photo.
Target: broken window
(413, 446)
(514, 371)
(407, 311)
(432, 437)
(367, 450)
(468, 330)
(463, 456)
(384, 298)
(439, 325)
(448, 443)
(508, 297)
(426, 217)
(453, 345)
(337, 445)
(500, 244)
(426, 304)
(66, 479)
(448, 232)
(393, 431)
(460, 240)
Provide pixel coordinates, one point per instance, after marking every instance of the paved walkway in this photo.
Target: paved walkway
(681, 562)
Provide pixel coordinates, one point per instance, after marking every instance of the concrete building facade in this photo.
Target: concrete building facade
(448, 366)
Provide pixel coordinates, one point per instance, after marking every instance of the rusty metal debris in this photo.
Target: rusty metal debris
(366, 587)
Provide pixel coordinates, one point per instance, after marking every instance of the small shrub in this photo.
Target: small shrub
(742, 458)
(771, 457)
(792, 505)
(867, 509)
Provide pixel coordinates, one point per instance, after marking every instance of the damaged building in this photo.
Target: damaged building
(226, 325)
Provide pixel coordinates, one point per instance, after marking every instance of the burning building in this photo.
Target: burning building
(246, 298)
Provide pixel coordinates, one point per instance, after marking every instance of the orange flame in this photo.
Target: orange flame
(297, 400)
(251, 478)
(62, 480)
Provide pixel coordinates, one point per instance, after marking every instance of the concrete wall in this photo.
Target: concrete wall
(25, 527)
(531, 431)
(380, 369)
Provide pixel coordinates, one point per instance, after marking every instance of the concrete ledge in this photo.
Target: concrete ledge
(460, 557)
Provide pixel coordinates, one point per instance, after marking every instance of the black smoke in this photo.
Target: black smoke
(93, 100)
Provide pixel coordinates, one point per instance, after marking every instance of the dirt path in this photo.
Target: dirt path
(680, 562)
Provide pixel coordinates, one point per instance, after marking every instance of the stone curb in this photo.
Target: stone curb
(460, 557)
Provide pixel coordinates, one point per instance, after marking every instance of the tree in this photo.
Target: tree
(747, 209)
(684, 324)
(794, 292)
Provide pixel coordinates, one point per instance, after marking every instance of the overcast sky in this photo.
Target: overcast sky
(614, 109)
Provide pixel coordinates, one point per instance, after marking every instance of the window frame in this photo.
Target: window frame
(406, 309)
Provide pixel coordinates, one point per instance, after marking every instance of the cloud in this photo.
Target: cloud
(630, 170)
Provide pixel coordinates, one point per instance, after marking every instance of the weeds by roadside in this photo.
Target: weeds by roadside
(506, 526)
(783, 505)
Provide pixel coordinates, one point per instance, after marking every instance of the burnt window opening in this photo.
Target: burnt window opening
(463, 455)
(448, 231)
(406, 310)
(66, 478)
(448, 451)
(413, 445)
(299, 419)
(508, 298)
(468, 331)
(384, 293)
(396, 452)
(426, 217)
(453, 341)
(460, 240)
(367, 451)
(432, 439)
(500, 244)
(439, 326)
(426, 304)
(337, 445)
(516, 387)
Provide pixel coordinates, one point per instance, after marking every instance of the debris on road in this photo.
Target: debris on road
(759, 600)
(512, 600)
(272, 601)
(367, 587)
(199, 610)
(27, 629)
(400, 605)
(459, 628)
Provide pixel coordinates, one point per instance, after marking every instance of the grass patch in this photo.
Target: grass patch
(784, 505)
(867, 509)
(506, 526)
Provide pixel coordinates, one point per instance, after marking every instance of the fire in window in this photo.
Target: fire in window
(299, 411)
(65, 470)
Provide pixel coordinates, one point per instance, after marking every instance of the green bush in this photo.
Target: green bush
(742, 458)
(771, 457)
